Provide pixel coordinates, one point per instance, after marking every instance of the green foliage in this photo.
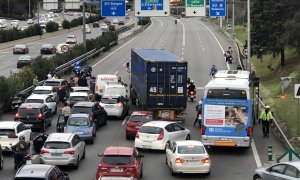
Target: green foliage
(7, 35)
(51, 27)
(74, 22)
(41, 67)
(66, 24)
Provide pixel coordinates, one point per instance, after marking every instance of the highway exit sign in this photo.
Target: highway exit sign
(146, 8)
(195, 7)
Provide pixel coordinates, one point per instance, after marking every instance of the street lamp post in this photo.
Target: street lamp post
(29, 14)
(248, 30)
(7, 8)
(83, 29)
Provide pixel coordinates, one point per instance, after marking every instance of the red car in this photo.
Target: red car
(135, 121)
(120, 161)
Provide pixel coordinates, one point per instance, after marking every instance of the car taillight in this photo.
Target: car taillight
(44, 151)
(40, 116)
(97, 88)
(179, 160)
(137, 135)
(205, 160)
(90, 131)
(203, 128)
(119, 105)
(17, 116)
(161, 135)
(12, 136)
(69, 152)
(249, 131)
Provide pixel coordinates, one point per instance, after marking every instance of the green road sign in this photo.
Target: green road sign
(195, 3)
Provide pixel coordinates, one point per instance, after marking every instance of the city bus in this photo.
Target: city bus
(226, 110)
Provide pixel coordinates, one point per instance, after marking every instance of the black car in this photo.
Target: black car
(48, 49)
(1, 158)
(35, 115)
(112, 27)
(25, 60)
(96, 25)
(99, 115)
(121, 22)
(40, 172)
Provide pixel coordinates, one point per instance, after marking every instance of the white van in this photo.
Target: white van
(104, 79)
(3, 23)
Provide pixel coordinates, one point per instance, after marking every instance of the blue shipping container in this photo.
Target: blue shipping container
(158, 79)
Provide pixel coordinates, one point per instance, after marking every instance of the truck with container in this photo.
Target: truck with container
(159, 83)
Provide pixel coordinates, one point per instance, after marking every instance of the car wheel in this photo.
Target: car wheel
(1, 161)
(83, 156)
(256, 177)
(188, 137)
(77, 164)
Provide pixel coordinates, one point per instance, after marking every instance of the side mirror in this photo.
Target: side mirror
(140, 156)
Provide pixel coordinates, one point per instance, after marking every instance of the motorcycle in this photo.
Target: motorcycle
(87, 71)
(19, 162)
(16, 102)
(198, 119)
(192, 95)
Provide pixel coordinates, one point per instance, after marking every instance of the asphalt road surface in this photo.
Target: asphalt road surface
(201, 45)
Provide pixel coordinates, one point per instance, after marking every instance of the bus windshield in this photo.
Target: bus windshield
(226, 94)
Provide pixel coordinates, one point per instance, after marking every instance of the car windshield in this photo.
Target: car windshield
(115, 91)
(19, 46)
(51, 83)
(109, 101)
(78, 121)
(28, 111)
(191, 149)
(42, 92)
(57, 145)
(80, 110)
(140, 119)
(28, 178)
(79, 98)
(41, 101)
(5, 132)
(46, 45)
(82, 90)
(117, 160)
(150, 129)
(24, 58)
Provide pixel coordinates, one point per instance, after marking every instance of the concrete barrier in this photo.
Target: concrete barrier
(36, 38)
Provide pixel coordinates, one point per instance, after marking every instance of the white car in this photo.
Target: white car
(115, 21)
(71, 39)
(81, 89)
(188, 157)
(23, 28)
(46, 90)
(14, 23)
(78, 97)
(160, 134)
(104, 27)
(43, 99)
(63, 149)
(10, 131)
(29, 21)
(51, 19)
(115, 105)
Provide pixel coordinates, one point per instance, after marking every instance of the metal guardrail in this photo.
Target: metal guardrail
(29, 89)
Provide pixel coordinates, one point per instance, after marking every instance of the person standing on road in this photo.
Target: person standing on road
(62, 95)
(66, 111)
(35, 82)
(266, 117)
(49, 76)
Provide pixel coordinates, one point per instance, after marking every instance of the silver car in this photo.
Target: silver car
(279, 171)
(65, 149)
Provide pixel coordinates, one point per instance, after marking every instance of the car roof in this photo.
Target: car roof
(114, 85)
(38, 96)
(34, 170)
(33, 105)
(142, 113)
(85, 104)
(80, 88)
(118, 150)
(8, 124)
(55, 80)
(79, 115)
(44, 88)
(157, 123)
(293, 163)
(78, 94)
(61, 137)
(189, 142)
(109, 96)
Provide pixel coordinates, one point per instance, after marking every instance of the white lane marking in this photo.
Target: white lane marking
(161, 23)
(124, 64)
(183, 33)
(255, 153)
(116, 72)
(124, 121)
(215, 39)
(35, 43)
(121, 46)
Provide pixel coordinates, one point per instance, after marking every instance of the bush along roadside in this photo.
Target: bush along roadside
(79, 21)
(51, 27)
(7, 35)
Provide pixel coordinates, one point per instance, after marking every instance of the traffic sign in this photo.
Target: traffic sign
(152, 8)
(65, 48)
(229, 25)
(194, 8)
(217, 8)
(113, 8)
(289, 155)
(297, 91)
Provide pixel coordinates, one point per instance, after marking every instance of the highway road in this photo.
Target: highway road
(201, 45)
(8, 60)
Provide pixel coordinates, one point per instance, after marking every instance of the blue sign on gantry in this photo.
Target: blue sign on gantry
(113, 8)
(217, 8)
(152, 5)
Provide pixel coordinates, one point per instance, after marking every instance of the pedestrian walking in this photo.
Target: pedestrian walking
(266, 118)
(72, 82)
(62, 95)
(35, 82)
(66, 111)
(92, 84)
(49, 76)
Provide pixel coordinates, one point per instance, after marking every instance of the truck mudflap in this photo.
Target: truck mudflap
(171, 115)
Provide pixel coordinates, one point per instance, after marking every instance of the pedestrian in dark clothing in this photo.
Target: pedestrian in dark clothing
(100, 112)
(62, 95)
(82, 81)
(92, 84)
(266, 117)
(199, 112)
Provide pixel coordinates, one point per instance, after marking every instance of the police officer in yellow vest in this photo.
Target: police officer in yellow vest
(266, 118)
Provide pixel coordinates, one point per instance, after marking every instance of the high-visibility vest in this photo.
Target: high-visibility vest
(266, 116)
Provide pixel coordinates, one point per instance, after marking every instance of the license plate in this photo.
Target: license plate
(192, 161)
(116, 170)
(28, 125)
(226, 139)
(78, 132)
(55, 154)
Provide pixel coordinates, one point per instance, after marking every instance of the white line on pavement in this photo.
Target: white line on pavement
(116, 72)
(161, 23)
(255, 153)
(124, 64)
(183, 33)
(121, 47)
